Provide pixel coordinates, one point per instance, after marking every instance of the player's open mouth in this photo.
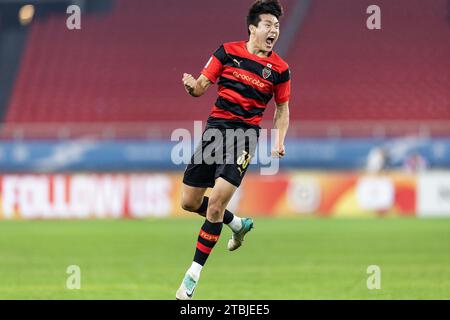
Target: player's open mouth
(270, 41)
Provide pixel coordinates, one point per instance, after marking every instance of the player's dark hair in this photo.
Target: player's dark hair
(263, 7)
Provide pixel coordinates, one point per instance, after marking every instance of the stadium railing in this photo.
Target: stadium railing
(162, 130)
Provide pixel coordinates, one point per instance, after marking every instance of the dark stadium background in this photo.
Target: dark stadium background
(85, 149)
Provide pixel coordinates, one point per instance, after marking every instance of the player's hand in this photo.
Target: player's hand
(279, 152)
(189, 83)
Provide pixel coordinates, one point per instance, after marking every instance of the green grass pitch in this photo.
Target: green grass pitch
(280, 259)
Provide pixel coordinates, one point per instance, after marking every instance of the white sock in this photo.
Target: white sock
(235, 224)
(195, 270)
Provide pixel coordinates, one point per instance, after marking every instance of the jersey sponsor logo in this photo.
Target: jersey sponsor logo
(248, 79)
(209, 237)
(266, 73)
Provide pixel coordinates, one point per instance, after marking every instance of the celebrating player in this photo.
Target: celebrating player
(249, 75)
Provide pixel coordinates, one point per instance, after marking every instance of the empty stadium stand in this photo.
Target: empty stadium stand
(123, 67)
(344, 71)
(126, 66)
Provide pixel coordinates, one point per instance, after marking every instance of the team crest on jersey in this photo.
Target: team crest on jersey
(266, 73)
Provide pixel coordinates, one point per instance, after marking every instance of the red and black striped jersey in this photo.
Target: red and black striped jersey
(246, 83)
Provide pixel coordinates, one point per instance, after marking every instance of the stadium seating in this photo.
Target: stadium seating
(343, 71)
(126, 66)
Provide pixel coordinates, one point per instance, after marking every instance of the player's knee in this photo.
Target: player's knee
(215, 211)
(190, 205)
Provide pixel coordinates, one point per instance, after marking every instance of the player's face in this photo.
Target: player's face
(267, 32)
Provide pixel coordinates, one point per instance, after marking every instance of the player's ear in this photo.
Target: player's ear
(252, 29)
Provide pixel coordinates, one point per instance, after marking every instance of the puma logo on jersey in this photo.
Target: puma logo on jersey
(238, 63)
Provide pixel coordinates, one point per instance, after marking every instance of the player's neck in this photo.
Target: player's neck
(253, 49)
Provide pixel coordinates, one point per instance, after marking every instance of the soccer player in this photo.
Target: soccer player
(249, 75)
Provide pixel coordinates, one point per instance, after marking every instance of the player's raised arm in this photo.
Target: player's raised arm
(196, 88)
(210, 73)
(281, 123)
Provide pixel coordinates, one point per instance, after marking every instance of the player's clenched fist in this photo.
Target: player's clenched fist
(189, 83)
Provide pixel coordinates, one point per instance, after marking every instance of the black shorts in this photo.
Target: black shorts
(224, 153)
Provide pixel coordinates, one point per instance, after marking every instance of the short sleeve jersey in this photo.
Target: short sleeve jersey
(246, 84)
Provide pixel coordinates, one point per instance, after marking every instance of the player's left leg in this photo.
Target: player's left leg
(208, 236)
(193, 199)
